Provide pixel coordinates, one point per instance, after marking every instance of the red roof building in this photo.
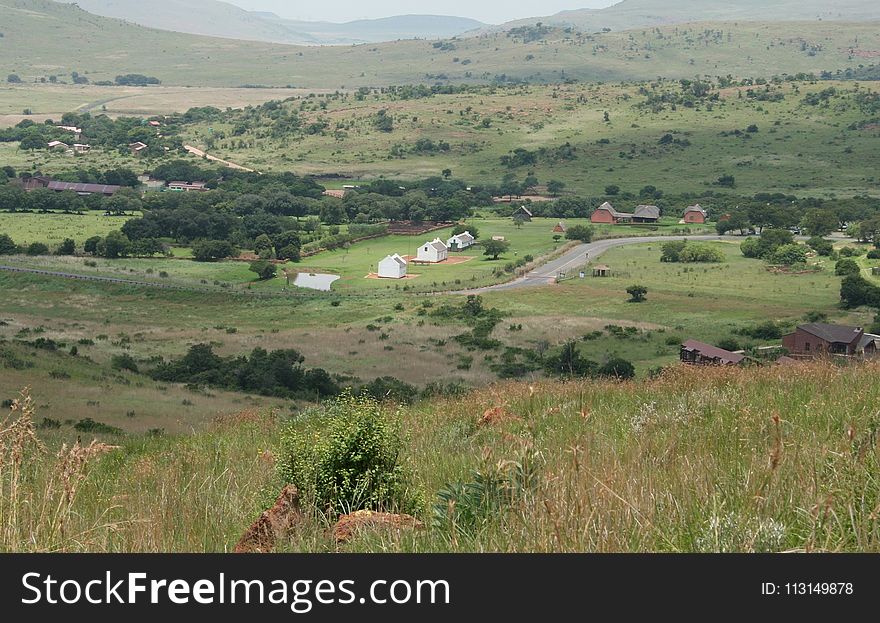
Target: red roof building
(698, 353)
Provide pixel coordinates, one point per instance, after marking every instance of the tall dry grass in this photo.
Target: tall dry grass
(38, 491)
(698, 460)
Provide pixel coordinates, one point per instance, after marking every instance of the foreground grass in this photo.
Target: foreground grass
(769, 459)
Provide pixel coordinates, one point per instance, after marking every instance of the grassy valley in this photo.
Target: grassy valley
(526, 394)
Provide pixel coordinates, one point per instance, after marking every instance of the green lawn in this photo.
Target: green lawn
(352, 264)
(699, 301)
(51, 229)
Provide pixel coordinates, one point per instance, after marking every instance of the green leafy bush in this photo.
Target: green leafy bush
(346, 457)
(465, 507)
(846, 266)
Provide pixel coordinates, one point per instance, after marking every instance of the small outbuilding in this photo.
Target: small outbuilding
(522, 213)
(137, 149)
(433, 252)
(560, 228)
(601, 270)
(698, 353)
(461, 241)
(392, 267)
(695, 215)
(58, 146)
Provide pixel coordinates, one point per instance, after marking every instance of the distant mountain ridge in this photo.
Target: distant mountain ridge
(42, 39)
(222, 19)
(640, 13)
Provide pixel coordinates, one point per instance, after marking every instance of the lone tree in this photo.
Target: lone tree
(555, 187)
(494, 248)
(637, 293)
(820, 222)
(584, 233)
(265, 270)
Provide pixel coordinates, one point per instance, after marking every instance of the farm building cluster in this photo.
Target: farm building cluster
(808, 341)
(107, 190)
(435, 251)
(608, 215)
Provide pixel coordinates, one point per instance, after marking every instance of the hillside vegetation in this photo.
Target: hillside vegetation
(755, 460)
(639, 13)
(803, 136)
(100, 48)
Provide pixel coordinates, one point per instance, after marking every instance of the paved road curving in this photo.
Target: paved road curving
(542, 275)
(578, 256)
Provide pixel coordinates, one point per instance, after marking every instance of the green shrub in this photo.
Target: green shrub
(582, 233)
(88, 425)
(701, 253)
(788, 255)
(821, 246)
(845, 267)
(392, 389)
(850, 252)
(767, 330)
(465, 507)
(37, 248)
(124, 361)
(617, 368)
(346, 457)
(729, 343)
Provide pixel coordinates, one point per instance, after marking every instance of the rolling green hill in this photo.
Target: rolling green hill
(639, 13)
(102, 48)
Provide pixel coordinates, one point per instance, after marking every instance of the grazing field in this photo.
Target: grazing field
(705, 302)
(768, 137)
(374, 333)
(52, 228)
(741, 460)
(51, 101)
(353, 264)
(803, 138)
(74, 387)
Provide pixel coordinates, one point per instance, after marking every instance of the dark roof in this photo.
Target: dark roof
(707, 350)
(104, 189)
(524, 209)
(647, 212)
(833, 333)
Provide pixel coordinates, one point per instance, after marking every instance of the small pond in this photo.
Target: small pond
(315, 281)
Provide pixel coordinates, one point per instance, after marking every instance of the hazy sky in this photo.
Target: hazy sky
(490, 11)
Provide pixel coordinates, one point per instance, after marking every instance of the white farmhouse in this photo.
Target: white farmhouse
(392, 267)
(433, 252)
(461, 241)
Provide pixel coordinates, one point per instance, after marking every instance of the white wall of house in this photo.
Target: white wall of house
(392, 267)
(461, 241)
(434, 251)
